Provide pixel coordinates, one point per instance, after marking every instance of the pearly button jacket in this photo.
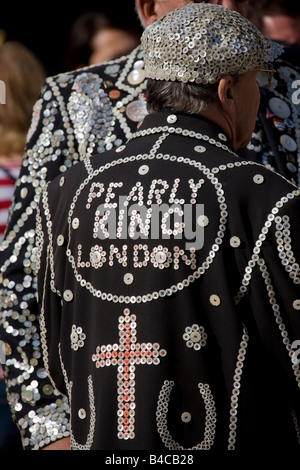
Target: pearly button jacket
(78, 114)
(164, 332)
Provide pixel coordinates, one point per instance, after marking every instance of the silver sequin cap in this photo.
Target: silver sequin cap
(201, 42)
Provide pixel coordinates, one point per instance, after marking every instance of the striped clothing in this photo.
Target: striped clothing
(8, 175)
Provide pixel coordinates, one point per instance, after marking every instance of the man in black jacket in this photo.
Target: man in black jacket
(79, 114)
(167, 290)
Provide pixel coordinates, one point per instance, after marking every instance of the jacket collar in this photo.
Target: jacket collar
(189, 122)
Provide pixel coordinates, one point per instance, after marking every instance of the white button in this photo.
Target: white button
(160, 257)
(296, 304)
(215, 300)
(121, 148)
(288, 143)
(82, 413)
(200, 149)
(68, 295)
(235, 242)
(143, 170)
(203, 220)
(47, 96)
(172, 118)
(24, 192)
(75, 223)
(74, 337)
(258, 179)
(186, 417)
(60, 240)
(195, 336)
(280, 108)
(62, 181)
(128, 278)
(222, 137)
(138, 65)
(136, 77)
(95, 256)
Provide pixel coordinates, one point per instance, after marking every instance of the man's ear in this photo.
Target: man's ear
(227, 93)
(146, 11)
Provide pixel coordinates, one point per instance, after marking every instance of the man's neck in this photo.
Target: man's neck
(223, 121)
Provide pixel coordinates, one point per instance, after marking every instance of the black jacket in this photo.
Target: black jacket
(179, 332)
(81, 113)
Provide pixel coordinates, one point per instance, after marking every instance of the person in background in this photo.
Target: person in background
(22, 76)
(276, 138)
(79, 114)
(112, 42)
(95, 38)
(277, 19)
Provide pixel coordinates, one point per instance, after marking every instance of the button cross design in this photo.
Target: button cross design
(126, 356)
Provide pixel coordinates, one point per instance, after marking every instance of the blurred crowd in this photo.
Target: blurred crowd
(93, 38)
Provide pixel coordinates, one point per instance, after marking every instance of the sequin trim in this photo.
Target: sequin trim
(211, 177)
(236, 391)
(91, 434)
(162, 417)
(258, 244)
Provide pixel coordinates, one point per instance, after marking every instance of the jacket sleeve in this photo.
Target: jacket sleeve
(49, 297)
(40, 412)
(61, 133)
(271, 284)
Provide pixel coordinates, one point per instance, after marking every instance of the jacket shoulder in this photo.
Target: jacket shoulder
(110, 66)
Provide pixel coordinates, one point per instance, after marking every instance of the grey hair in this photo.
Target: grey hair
(181, 97)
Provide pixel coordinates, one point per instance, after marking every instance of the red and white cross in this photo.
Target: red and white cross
(126, 356)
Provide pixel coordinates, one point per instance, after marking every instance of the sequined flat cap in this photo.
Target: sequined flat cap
(201, 42)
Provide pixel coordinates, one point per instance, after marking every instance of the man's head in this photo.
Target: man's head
(204, 59)
(150, 11)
